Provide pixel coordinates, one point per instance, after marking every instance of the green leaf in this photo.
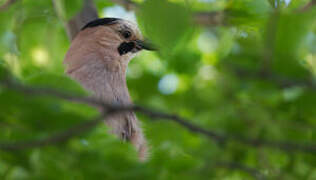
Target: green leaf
(101, 4)
(72, 7)
(247, 12)
(59, 82)
(291, 32)
(3, 71)
(164, 22)
(66, 9)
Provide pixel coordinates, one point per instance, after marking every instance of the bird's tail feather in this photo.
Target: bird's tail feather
(139, 141)
(127, 127)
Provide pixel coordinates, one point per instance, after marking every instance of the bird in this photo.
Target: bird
(98, 58)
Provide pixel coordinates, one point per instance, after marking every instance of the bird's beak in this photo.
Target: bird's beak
(145, 44)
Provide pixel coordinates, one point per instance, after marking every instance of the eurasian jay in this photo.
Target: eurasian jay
(98, 59)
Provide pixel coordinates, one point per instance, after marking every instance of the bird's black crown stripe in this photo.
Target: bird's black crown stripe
(101, 22)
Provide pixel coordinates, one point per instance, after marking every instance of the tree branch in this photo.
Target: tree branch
(7, 4)
(308, 5)
(88, 125)
(201, 18)
(281, 81)
(87, 14)
(54, 139)
(209, 18)
(74, 25)
(220, 138)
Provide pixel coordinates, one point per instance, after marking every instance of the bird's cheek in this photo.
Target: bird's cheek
(125, 48)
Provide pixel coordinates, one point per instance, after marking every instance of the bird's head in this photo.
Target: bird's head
(122, 33)
(112, 39)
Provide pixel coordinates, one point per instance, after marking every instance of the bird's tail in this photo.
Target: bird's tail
(127, 127)
(140, 143)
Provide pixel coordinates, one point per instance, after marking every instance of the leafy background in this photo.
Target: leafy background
(250, 75)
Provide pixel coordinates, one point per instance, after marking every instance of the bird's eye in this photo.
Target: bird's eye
(126, 34)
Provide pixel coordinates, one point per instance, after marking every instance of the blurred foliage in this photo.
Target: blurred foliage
(253, 77)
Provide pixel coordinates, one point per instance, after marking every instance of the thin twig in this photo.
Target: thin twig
(282, 145)
(285, 146)
(54, 139)
(209, 18)
(281, 81)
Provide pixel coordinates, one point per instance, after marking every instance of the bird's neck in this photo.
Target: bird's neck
(106, 81)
